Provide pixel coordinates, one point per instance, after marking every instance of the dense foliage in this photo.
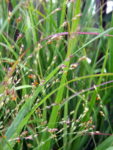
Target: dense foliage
(56, 73)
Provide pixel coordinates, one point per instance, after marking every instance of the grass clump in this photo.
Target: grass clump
(56, 76)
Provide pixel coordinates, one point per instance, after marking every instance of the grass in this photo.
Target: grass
(56, 77)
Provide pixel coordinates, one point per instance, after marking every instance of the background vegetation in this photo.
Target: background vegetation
(56, 75)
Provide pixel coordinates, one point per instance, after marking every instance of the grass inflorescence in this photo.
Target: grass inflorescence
(56, 76)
